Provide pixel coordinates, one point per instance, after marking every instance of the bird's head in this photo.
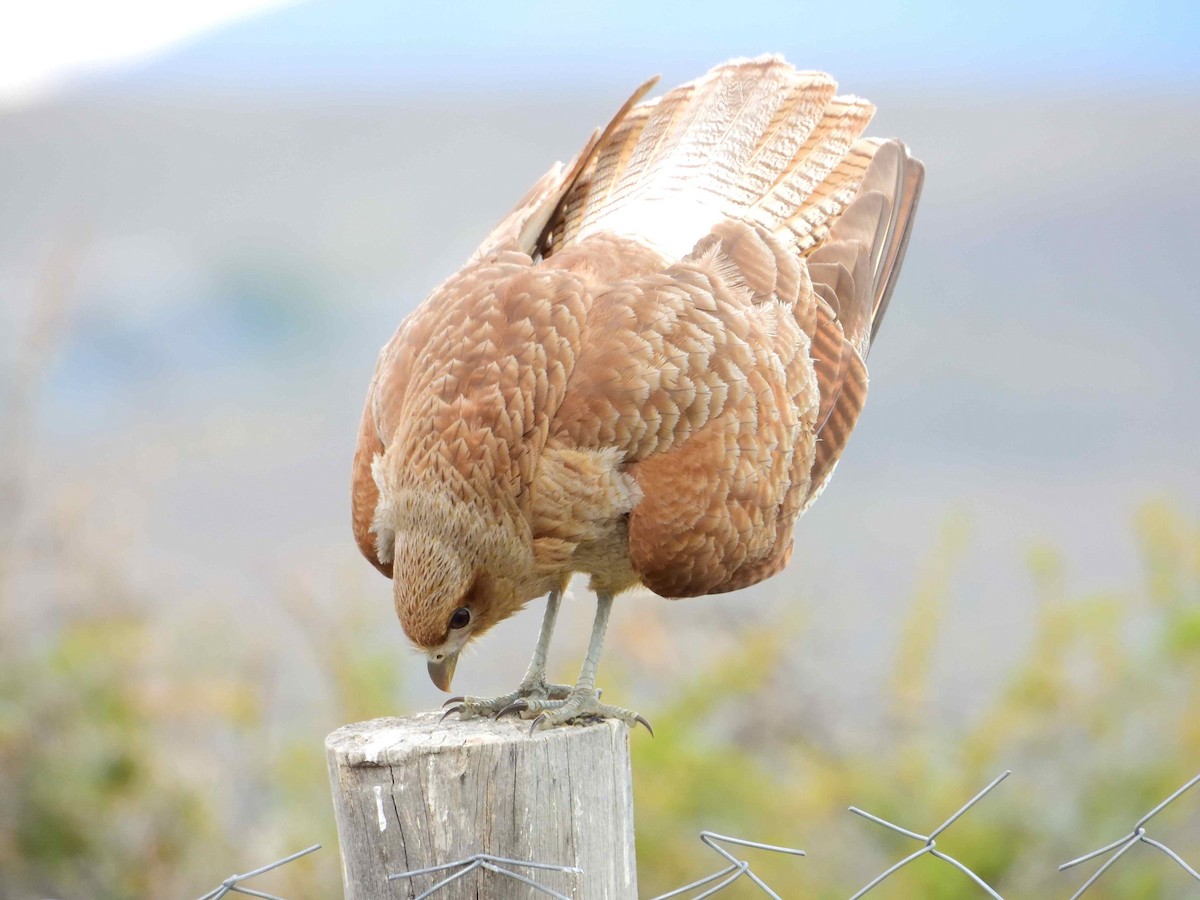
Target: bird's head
(443, 600)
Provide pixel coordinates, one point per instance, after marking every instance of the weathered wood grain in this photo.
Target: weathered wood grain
(411, 793)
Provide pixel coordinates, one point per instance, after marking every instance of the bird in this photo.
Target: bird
(644, 374)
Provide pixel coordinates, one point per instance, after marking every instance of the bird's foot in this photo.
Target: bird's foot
(580, 706)
(538, 691)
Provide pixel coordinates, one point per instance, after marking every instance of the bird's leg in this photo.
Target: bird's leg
(583, 701)
(533, 685)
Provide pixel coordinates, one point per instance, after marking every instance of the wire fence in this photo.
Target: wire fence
(930, 842)
(1137, 835)
(485, 861)
(233, 885)
(736, 869)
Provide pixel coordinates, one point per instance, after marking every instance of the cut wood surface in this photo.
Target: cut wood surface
(413, 792)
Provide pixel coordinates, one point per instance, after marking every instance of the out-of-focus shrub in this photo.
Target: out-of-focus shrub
(1099, 721)
(144, 756)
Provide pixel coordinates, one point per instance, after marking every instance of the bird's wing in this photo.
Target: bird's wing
(381, 414)
(385, 394)
(854, 271)
(859, 257)
(693, 384)
(522, 230)
(364, 494)
(717, 378)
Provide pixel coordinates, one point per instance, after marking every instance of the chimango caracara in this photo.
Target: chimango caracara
(644, 374)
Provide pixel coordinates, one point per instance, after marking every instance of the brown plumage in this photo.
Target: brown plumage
(645, 373)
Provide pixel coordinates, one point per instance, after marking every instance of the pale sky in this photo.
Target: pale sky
(51, 42)
(245, 47)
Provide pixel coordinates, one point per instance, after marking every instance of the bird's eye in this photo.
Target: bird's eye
(461, 618)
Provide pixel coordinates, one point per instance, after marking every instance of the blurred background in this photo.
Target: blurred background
(211, 218)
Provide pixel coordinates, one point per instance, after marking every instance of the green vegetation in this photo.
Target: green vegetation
(1099, 721)
(124, 746)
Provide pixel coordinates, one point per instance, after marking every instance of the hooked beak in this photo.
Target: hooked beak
(441, 671)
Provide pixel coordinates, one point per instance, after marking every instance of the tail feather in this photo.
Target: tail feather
(808, 96)
(822, 181)
(755, 140)
(595, 188)
(659, 137)
(854, 272)
(910, 179)
(759, 142)
(826, 146)
(708, 150)
(743, 113)
(869, 235)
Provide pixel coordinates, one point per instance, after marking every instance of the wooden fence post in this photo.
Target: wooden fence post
(412, 793)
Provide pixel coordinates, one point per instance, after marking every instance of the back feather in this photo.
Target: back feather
(760, 143)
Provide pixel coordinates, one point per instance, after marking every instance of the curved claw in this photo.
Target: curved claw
(454, 709)
(516, 706)
(642, 720)
(453, 700)
(536, 723)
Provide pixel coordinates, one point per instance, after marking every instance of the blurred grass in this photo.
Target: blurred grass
(139, 761)
(146, 760)
(1100, 721)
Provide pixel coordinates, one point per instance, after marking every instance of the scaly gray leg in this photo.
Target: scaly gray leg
(583, 701)
(533, 685)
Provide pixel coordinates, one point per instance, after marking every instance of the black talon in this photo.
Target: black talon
(642, 719)
(515, 707)
(536, 723)
(453, 700)
(453, 709)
